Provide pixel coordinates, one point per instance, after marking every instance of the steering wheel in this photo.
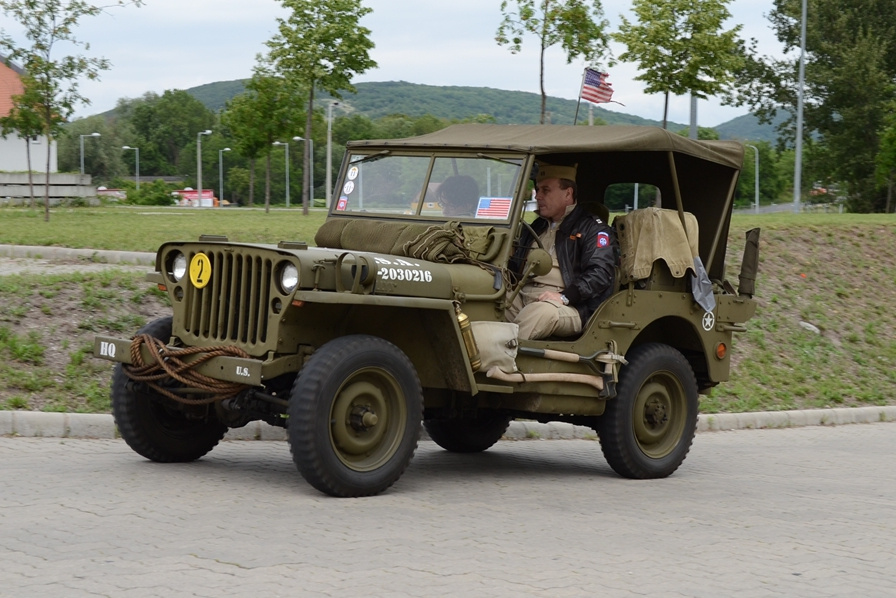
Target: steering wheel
(535, 236)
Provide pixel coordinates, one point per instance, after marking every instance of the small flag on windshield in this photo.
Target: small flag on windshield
(493, 207)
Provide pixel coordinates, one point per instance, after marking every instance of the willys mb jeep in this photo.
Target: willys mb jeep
(395, 316)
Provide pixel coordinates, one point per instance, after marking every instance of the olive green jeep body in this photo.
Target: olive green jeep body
(395, 315)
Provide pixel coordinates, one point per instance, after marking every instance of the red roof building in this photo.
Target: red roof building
(10, 85)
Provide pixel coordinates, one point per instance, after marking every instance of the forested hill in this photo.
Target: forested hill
(507, 107)
(518, 107)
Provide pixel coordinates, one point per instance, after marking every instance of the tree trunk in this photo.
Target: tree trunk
(889, 193)
(47, 186)
(267, 183)
(251, 181)
(666, 110)
(30, 174)
(693, 133)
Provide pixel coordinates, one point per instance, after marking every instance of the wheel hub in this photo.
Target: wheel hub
(362, 418)
(655, 412)
(658, 429)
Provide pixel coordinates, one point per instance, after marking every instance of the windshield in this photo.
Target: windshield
(434, 187)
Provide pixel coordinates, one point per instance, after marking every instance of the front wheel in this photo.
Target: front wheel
(647, 430)
(152, 425)
(354, 416)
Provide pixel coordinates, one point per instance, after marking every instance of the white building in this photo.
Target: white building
(13, 149)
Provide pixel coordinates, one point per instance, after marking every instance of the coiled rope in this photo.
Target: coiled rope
(169, 363)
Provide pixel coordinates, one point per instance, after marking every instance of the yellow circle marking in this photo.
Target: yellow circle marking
(200, 270)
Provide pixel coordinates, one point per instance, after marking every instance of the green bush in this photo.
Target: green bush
(156, 193)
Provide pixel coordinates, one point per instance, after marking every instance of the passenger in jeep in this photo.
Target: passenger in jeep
(458, 195)
(584, 253)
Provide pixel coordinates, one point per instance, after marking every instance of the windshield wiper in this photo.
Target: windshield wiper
(371, 157)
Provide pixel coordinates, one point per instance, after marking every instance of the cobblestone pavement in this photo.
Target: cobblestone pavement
(795, 512)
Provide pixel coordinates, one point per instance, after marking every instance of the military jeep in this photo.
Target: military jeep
(395, 316)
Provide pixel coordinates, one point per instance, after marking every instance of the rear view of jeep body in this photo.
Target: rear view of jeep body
(397, 315)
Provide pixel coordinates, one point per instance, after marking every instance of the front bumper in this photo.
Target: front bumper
(252, 372)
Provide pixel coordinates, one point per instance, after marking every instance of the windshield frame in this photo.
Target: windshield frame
(426, 210)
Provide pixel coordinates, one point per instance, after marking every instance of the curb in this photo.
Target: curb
(92, 255)
(39, 424)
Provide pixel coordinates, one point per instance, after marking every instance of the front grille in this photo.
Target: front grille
(233, 307)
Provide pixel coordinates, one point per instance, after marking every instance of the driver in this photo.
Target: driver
(584, 253)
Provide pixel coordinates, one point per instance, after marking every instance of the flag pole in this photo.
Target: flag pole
(575, 120)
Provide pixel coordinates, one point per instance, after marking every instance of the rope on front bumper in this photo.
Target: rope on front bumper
(169, 364)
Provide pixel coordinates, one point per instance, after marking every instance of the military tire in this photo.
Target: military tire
(647, 430)
(150, 426)
(467, 435)
(354, 416)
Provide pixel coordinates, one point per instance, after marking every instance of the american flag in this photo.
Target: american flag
(493, 207)
(596, 88)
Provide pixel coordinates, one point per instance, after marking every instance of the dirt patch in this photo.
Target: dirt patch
(53, 308)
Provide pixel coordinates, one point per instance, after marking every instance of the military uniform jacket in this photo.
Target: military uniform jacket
(587, 253)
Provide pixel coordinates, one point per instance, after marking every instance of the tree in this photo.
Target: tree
(886, 158)
(849, 85)
(52, 83)
(851, 133)
(680, 47)
(241, 118)
(166, 125)
(353, 126)
(321, 45)
(703, 133)
(579, 30)
(257, 118)
(238, 181)
(771, 182)
(103, 157)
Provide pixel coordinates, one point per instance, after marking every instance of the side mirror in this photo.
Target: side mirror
(539, 262)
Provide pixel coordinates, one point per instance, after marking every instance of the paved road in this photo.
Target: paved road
(753, 513)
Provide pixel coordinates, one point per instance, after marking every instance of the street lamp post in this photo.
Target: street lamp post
(330, 150)
(286, 146)
(221, 171)
(137, 164)
(199, 162)
(82, 148)
(310, 168)
(756, 176)
(798, 149)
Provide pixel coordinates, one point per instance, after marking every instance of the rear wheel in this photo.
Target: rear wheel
(155, 427)
(354, 416)
(647, 430)
(467, 435)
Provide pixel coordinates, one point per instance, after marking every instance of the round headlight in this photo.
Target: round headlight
(289, 278)
(178, 267)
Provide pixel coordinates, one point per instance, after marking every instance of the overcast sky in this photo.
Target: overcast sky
(178, 44)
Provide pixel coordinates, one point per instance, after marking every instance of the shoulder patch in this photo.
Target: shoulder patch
(603, 239)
